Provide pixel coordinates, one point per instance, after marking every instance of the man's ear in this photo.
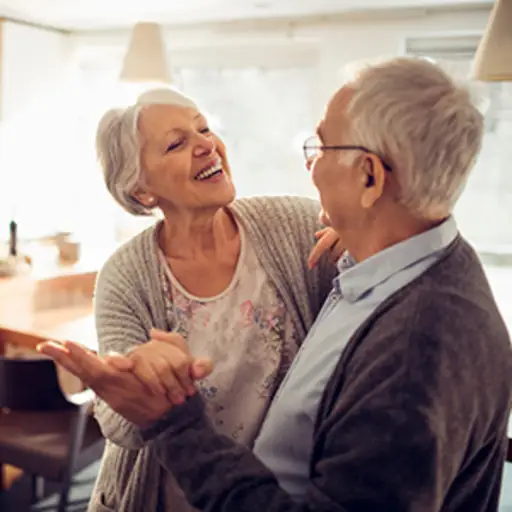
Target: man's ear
(374, 175)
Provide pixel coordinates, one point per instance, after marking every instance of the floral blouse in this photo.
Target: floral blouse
(247, 333)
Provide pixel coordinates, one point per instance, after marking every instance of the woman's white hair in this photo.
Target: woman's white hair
(425, 125)
(118, 145)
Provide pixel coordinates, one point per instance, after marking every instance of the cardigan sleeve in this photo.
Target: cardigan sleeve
(119, 329)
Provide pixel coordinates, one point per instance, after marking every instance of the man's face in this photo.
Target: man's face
(337, 179)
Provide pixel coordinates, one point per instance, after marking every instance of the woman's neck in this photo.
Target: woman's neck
(193, 236)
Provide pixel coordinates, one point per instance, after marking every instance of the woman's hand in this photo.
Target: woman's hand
(118, 387)
(164, 365)
(328, 241)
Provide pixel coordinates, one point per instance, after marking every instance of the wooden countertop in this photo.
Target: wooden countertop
(73, 324)
(58, 307)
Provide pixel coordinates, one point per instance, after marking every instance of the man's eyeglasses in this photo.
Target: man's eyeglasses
(312, 146)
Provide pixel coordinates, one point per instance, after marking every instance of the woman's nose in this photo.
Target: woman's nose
(204, 146)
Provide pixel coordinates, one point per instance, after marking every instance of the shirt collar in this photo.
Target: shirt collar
(356, 279)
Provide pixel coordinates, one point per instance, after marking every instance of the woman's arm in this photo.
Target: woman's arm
(119, 329)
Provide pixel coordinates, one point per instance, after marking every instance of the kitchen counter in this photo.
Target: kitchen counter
(58, 306)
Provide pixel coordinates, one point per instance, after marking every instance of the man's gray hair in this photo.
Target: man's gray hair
(118, 146)
(424, 124)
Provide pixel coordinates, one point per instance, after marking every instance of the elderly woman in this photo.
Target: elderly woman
(231, 277)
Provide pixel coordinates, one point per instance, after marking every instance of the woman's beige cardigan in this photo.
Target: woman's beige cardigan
(129, 301)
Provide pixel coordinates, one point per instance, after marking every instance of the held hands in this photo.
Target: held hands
(328, 241)
(129, 386)
(164, 365)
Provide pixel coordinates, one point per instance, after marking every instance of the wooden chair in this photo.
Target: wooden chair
(43, 432)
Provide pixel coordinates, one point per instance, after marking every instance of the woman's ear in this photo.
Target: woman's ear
(147, 199)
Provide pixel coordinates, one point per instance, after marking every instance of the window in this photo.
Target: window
(263, 115)
(262, 107)
(484, 211)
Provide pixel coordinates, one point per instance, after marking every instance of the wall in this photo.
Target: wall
(34, 85)
(33, 63)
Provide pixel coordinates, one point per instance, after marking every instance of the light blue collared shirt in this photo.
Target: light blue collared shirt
(286, 438)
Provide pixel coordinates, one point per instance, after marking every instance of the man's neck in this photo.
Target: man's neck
(384, 234)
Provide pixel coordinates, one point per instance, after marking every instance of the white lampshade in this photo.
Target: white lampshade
(146, 57)
(493, 61)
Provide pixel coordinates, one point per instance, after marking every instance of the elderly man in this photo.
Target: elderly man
(399, 397)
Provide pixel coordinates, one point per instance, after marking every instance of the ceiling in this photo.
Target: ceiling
(103, 14)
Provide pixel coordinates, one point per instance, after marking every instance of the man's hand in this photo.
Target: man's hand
(119, 388)
(328, 241)
(164, 364)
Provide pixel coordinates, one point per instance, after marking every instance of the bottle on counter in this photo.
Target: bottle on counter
(13, 238)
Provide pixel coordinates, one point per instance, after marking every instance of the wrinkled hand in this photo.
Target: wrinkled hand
(164, 364)
(328, 241)
(121, 390)
(117, 386)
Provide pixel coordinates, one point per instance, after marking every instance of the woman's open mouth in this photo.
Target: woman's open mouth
(210, 173)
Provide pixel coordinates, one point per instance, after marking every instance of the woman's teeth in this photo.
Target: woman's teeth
(208, 173)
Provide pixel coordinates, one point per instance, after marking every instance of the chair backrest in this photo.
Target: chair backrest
(30, 384)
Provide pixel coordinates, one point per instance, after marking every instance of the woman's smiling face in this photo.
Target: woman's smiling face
(184, 164)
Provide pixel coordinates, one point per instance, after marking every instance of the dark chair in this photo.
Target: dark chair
(43, 432)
